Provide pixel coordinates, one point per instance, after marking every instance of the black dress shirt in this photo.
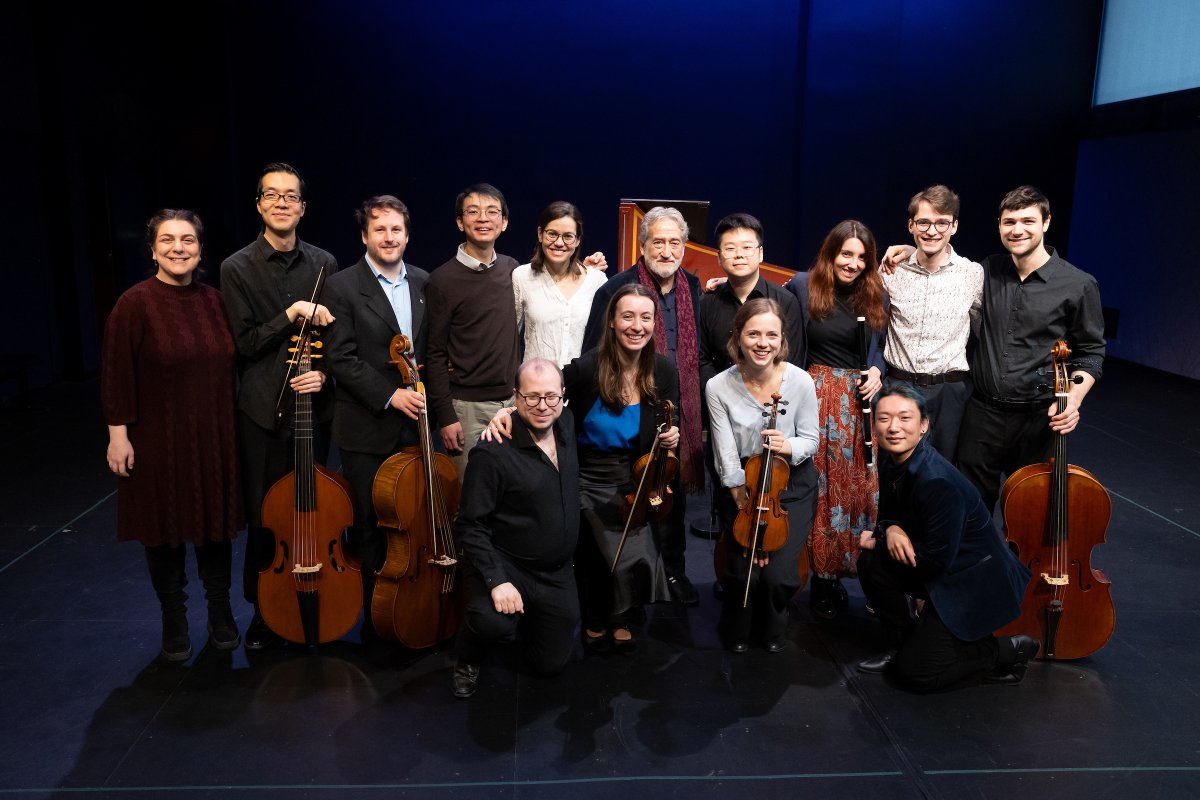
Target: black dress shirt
(717, 310)
(1021, 320)
(516, 508)
(258, 283)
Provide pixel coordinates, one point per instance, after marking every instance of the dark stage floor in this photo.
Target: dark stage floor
(88, 711)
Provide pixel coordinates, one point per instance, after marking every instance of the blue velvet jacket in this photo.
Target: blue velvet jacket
(973, 579)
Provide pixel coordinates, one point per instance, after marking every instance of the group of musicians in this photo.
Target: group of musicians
(857, 348)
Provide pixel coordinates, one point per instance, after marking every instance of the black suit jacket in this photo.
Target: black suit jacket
(357, 357)
(580, 381)
(971, 576)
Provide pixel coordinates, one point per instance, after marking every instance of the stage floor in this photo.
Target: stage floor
(89, 711)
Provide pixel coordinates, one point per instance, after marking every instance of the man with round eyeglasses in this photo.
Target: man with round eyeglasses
(518, 523)
(266, 288)
(934, 295)
(474, 342)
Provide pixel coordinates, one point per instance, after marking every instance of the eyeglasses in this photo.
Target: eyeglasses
(475, 213)
(733, 251)
(553, 236)
(273, 197)
(534, 400)
(940, 225)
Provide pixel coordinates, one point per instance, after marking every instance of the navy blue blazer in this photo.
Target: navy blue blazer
(973, 579)
(798, 286)
(356, 355)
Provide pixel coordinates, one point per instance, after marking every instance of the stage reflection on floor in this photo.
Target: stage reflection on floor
(88, 709)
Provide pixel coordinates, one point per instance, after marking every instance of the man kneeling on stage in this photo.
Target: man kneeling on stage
(518, 522)
(935, 542)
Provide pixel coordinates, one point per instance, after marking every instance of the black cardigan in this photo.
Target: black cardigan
(582, 389)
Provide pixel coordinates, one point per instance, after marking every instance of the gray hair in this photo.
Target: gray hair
(658, 214)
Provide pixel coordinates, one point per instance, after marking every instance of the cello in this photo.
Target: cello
(417, 600)
(1054, 515)
(309, 593)
(652, 473)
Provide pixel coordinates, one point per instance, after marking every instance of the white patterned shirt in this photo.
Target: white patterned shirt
(553, 324)
(931, 314)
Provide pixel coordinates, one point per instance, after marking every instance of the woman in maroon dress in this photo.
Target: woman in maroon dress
(167, 387)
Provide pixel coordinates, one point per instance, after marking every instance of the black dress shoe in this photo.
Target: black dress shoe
(682, 590)
(823, 599)
(258, 635)
(876, 664)
(1011, 666)
(775, 646)
(738, 647)
(466, 679)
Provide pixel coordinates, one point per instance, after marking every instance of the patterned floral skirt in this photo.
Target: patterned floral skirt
(847, 489)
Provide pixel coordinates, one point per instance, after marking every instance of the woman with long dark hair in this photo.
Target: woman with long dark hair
(167, 387)
(842, 285)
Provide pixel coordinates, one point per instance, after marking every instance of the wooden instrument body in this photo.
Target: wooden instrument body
(1054, 515)
(763, 513)
(311, 592)
(1088, 616)
(412, 603)
(418, 600)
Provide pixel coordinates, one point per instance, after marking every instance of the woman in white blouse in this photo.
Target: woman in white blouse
(553, 292)
(738, 399)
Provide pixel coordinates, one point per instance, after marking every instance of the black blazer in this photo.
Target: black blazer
(579, 378)
(357, 358)
(972, 577)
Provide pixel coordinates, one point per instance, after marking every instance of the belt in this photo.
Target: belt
(916, 379)
(1005, 404)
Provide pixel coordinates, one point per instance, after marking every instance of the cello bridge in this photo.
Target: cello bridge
(1056, 580)
(301, 569)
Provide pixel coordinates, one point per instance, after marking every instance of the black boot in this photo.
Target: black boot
(168, 577)
(822, 598)
(214, 561)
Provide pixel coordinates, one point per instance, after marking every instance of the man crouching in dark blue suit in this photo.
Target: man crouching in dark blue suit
(935, 542)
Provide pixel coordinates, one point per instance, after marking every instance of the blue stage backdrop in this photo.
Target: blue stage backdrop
(802, 112)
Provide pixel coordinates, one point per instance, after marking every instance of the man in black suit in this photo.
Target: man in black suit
(374, 415)
(935, 541)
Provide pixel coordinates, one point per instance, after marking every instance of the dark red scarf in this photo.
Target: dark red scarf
(687, 360)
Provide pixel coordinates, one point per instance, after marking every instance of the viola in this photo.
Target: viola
(418, 600)
(310, 593)
(1055, 514)
(761, 525)
(652, 497)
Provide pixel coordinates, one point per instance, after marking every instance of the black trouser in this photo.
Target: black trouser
(771, 587)
(929, 656)
(671, 533)
(945, 403)
(995, 443)
(168, 573)
(547, 627)
(266, 456)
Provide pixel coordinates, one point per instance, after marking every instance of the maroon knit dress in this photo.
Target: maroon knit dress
(168, 374)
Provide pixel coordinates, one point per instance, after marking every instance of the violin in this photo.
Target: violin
(309, 593)
(1054, 515)
(761, 525)
(418, 600)
(652, 498)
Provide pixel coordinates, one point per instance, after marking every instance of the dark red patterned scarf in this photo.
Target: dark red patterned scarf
(687, 360)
